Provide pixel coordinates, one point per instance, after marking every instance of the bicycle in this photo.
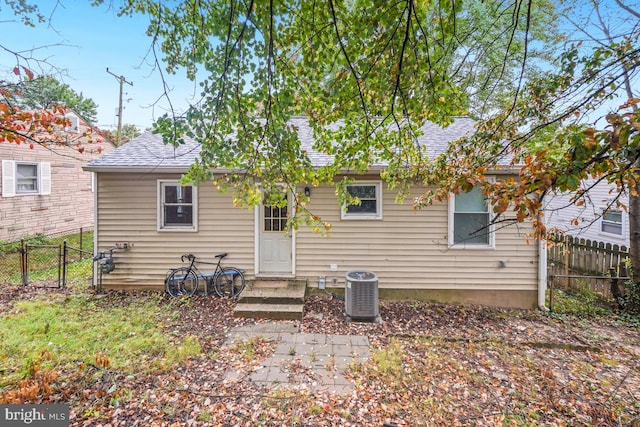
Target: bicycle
(224, 281)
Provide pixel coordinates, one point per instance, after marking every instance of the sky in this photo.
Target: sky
(81, 42)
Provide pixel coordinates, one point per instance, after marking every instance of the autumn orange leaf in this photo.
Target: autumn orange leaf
(501, 206)
(630, 103)
(28, 72)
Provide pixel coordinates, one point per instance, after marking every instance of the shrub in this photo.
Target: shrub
(632, 297)
(583, 302)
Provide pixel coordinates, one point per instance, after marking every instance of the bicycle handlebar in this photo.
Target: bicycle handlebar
(190, 257)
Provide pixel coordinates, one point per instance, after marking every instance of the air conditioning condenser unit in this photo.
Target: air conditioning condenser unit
(361, 296)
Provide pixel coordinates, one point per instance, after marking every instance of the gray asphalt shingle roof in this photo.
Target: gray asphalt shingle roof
(147, 152)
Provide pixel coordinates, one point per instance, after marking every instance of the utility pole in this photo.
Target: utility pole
(121, 80)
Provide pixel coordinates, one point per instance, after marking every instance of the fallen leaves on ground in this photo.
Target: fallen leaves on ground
(430, 364)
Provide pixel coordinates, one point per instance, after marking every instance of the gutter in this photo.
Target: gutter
(374, 169)
(144, 169)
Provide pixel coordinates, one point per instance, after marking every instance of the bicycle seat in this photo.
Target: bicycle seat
(222, 255)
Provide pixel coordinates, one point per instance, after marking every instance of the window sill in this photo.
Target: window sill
(177, 230)
(362, 217)
(615, 235)
(476, 247)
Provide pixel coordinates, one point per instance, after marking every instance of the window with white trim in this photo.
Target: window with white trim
(177, 206)
(370, 196)
(611, 222)
(469, 220)
(25, 178)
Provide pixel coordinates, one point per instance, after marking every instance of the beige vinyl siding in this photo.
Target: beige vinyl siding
(408, 249)
(127, 212)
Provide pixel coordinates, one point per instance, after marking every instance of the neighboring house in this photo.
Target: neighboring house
(43, 188)
(424, 254)
(596, 220)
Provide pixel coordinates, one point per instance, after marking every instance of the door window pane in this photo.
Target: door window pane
(274, 218)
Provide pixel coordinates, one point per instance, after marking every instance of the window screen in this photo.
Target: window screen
(471, 218)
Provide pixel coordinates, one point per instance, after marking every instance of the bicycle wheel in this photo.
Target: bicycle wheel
(181, 281)
(229, 283)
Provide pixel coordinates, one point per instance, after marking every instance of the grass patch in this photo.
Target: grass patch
(79, 330)
(43, 261)
(389, 361)
(78, 273)
(253, 348)
(580, 303)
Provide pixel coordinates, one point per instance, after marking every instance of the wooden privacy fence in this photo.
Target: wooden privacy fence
(585, 257)
(571, 260)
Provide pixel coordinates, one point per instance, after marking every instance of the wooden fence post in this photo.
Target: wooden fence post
(551, 293)
(615, 288)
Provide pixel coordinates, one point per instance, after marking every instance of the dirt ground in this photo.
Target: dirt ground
(431, 364)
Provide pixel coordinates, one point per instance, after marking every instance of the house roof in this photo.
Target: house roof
(147, 152)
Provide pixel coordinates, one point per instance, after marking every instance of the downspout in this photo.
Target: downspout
(542, 272)
(542, 275)
(96, 234)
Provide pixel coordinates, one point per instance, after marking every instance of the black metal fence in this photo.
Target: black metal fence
(48, 261)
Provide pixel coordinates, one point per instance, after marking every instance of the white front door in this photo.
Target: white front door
(275, 250)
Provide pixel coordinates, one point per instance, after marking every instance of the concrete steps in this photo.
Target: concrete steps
(272, 299)
(269, 311)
